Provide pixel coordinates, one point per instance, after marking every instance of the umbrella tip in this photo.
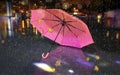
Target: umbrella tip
(44, 56)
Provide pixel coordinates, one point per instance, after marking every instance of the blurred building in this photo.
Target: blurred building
(112, 18)
(76, 7)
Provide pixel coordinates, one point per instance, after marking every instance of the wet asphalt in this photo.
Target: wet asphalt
(19, 52)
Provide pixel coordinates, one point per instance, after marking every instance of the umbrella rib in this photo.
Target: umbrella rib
(70, 30)
(70, 21)
(54, 15)
(63, 30)
(58, 33)
(75, 27)
(50, 20)
(55, 25)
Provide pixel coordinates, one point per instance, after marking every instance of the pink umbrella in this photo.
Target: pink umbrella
(61, 27)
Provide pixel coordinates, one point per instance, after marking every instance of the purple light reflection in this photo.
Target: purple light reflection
(118, 62)
(71, 60)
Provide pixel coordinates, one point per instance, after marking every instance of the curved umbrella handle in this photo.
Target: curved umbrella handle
(45, 55)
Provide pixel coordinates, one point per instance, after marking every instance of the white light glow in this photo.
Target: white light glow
(45, 67)
(70, 71)
(75, 13)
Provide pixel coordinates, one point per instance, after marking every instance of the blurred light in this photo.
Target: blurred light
(45, 67)
(10, 27)
(83, 62)
(117, 35)
(75, 13)
(70, 71)
(38, 21)
(94, 56)
(118, 62)
(9, 14)
(96, 68)
(58, 63)
(87, 58)
(97, 57)
(107, 34)
(35, 30)
(50, 30)
(21, 11)
(75, 9)
(13, 11)
(35, 5)
(23, 24)
(28, 23)
(65, 5)
(27, 13)
(23, 33)
(2, 41)
(99, 18)
(22, 2)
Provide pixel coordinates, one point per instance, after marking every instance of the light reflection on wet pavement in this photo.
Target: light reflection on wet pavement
(67, 61)
(19, 53)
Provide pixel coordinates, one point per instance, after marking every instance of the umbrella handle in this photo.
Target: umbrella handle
(45, 55)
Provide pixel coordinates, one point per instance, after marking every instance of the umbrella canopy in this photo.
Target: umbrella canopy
(64, 61)
(61, 27)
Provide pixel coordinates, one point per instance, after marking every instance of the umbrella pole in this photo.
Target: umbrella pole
(46, 55)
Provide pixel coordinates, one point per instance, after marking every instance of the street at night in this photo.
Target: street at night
(19, 52)
(24, 43)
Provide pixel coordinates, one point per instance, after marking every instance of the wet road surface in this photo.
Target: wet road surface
(18, 54)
